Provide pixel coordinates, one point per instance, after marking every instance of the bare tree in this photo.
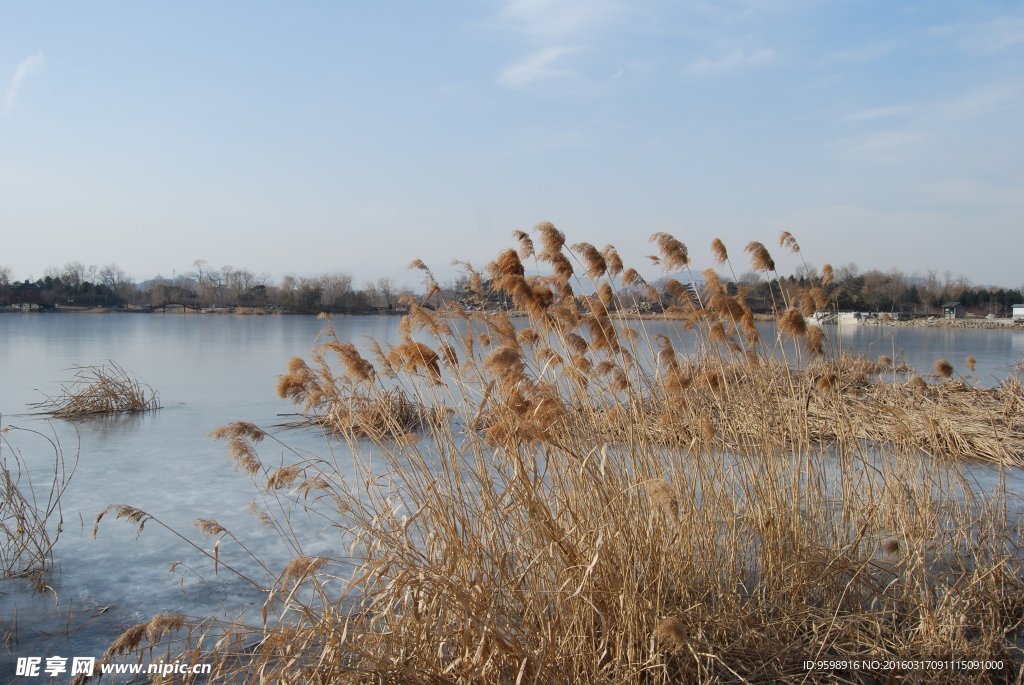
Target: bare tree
(337, 289)
(288, 291)
(846, 272)
(119, 282)
(73, 274)
(455, 289)
(897, 287)
(372, 293)
(386, 288)
(405, 293)
(875, 290)
(237, 283)
(5, 282)
(206, 280)
(808, 271)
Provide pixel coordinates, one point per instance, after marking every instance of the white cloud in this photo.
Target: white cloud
(882, 146)
(536, 67)
(862, 54)
(30, 65)
(875, 113)
(734, 60)
(979, 102)
(927, 122)
(995, 35)
(558, 19)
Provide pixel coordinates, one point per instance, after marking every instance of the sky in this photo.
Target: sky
(357, 136)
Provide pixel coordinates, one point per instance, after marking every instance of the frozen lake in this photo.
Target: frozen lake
(211, 370)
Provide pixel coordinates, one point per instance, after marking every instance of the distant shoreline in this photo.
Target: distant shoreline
(931, 322)
(178, 311)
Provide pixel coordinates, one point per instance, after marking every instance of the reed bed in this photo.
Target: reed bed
(570, 500)
(30, 525)
(103, 389)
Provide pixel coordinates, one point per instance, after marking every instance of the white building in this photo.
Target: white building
(848, 318)
(1017, 311)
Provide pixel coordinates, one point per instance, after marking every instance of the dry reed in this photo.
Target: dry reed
(104, 389)
(30, 525)
(582, 504)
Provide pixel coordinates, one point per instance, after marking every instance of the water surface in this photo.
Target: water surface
(211, 370)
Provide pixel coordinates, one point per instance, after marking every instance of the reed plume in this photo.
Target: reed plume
(787, 240)
(612, 260)
(718, 251)
(760, 260)
(827, 383)
(793, 324)
(525, 244)
(631, 279)
(551, 239)
(416, 357)
(663, 498)
(594, 261)
(815, 340)
(674, 255)
(673, 630)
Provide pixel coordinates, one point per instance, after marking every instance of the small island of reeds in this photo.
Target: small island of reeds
(102, 389)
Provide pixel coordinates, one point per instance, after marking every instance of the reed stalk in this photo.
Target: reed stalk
(30, 523)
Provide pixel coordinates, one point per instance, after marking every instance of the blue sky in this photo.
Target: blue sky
(304, 137)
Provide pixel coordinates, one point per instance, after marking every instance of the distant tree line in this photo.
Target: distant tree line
(77, 285)
(850, 289)
(884, 291)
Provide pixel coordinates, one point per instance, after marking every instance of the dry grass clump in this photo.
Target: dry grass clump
(586, 504)
(861, 367)
(388, 413)
(352, 402)
(100, 390)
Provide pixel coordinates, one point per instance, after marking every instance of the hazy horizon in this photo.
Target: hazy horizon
(328, 136)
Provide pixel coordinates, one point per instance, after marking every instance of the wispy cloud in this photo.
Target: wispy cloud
(999, 34)
(29, 65)
(876, 113)
(555, 20)
(980, 102)
(734, 60)
(539, 66)
(862, 54)
(926, 122)
(882, 146)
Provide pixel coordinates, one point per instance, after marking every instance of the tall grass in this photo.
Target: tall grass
(569, 499)
(29, 524)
